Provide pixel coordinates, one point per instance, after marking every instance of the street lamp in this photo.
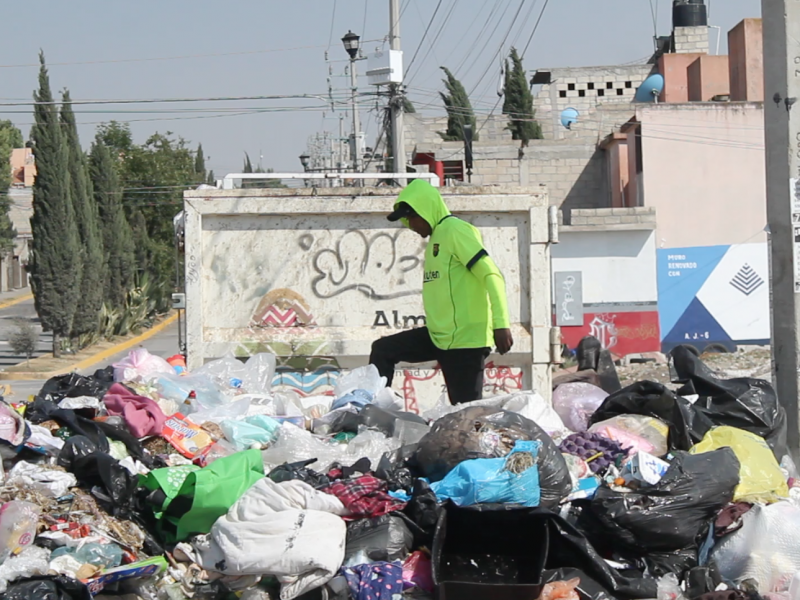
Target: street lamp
(350, 41)
(304, 160)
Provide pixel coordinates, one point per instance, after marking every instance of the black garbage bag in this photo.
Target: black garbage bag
(742, 402)
(99, 469)
(669, 516)
(507, 546)
(486, 432)
(47, 588)
(686, 425)
(97, 432)
(423, 510)
(301, 472)
(373, 417)
(592, 356)
(392, 468)
(73, 385)
(383, 539)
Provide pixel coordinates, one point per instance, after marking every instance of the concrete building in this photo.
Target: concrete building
(13, 273)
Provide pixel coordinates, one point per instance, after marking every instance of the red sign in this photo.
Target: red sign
(620, 332)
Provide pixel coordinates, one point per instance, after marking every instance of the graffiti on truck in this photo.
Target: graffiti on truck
(399, 321)
(372, 265)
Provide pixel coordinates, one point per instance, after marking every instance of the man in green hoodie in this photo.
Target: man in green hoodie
(463, 293)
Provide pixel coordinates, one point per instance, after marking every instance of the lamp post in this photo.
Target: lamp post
(304, 160)
(351, 44)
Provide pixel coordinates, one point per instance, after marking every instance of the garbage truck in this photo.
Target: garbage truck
(315, 274)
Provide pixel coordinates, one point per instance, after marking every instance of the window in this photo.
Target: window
(571, 87)
(609, 85)
(601, 92)
(620, 91)
(590, 85)
(628, 84)
(562, 93)
(582, 93)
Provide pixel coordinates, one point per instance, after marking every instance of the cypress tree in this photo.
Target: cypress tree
(459, 109)
(200, 164)
(55, 264)
(93, 278)
(210, 179)
(117, 237)
(518, 103)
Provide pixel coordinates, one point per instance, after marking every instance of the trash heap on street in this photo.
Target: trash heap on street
(148, 481)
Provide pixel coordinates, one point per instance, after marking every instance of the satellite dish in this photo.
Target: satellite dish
(650, 89)
(569, 116)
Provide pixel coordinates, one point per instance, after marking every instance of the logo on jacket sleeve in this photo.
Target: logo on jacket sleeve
(436, 249)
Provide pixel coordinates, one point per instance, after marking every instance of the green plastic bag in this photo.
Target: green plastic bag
(760, 475)
(211, 491)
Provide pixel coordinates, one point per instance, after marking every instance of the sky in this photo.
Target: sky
(155, 50)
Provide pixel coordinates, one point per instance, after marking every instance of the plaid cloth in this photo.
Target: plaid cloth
(365, 496)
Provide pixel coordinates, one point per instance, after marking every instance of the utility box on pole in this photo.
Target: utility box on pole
(781, 22)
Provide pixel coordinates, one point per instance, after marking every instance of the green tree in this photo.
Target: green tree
(210, 179)
(200, 164)
(247, 167)
(93, 279)
(518, 103)
(55, 265)
(408, 106)
(118, 245)
(459, 109)
(10, 138)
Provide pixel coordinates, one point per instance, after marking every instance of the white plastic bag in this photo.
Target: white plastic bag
(259, 371)
(764, 549)
(216, 414)
(295, 444)
(30, 562)
(226, 372)
(49, 482)
(576, 402)
(139, 366)
(363, 378)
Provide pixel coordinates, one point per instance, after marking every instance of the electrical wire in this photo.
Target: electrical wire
(160, 58)
(436, 37)
(424, 35)
(333, 22)
(500, 48)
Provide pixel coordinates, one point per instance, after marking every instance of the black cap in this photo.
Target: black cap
(402, 211)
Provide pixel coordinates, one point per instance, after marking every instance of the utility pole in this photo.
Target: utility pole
(781, 22)
(396, 98)
(354, 102)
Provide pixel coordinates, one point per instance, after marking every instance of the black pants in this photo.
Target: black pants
(462, 368)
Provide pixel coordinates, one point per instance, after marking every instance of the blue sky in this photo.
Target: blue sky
(278, 48)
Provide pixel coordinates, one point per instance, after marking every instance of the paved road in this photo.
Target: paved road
(9, 317)
(164, 344)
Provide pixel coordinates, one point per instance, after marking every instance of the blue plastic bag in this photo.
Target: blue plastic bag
(489, 480)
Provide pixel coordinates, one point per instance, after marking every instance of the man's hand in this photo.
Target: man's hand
(503, 340)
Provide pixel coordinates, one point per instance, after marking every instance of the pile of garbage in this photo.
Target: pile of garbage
(149, 481)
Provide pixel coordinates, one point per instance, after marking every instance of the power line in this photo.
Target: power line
(424, 35)
(160, 58)
(333, 21)
(436, 37)
(535, 27)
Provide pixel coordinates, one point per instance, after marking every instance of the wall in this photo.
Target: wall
(315, 278)
(703, 172)
(617, 262)
(746, 50)
(708, 77)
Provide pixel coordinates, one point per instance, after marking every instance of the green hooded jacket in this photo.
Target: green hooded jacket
(463, 291)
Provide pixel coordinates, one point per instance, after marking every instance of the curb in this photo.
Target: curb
(17, 300)
(94, 359)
